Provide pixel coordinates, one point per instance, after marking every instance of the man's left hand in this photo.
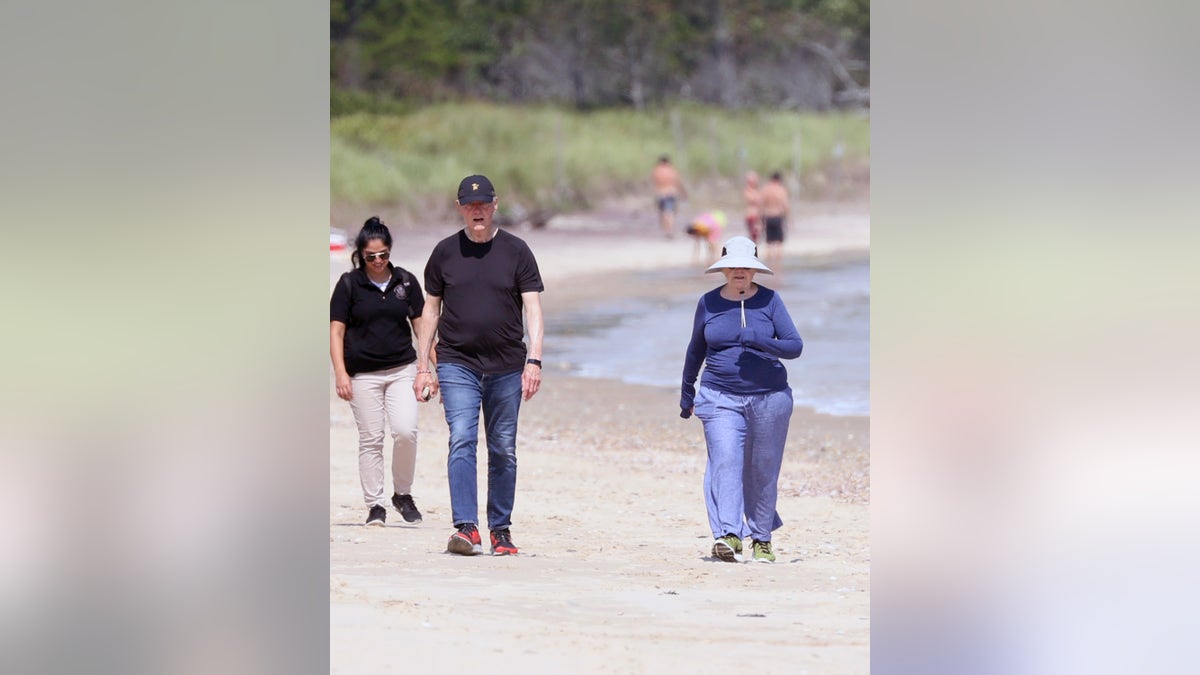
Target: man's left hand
(531, 381)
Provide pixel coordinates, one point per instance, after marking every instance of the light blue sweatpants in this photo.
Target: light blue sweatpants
(745, 437)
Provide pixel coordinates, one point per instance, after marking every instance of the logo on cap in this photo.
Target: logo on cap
(474, 186)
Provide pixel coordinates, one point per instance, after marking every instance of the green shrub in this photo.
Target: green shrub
(551, 158)
(348, 102)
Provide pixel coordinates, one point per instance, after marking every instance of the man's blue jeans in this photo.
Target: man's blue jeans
(464, 393)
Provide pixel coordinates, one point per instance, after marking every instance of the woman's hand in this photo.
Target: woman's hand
(345, 390)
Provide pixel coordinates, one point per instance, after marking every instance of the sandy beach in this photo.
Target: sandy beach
(615, 573)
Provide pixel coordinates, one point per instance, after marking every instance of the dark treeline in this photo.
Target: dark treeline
(806, 54)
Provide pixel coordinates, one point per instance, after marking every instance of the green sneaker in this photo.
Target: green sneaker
(763, 552)
(728, 548)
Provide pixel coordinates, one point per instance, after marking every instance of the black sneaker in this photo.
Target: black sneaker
(377, 517)
(404, 504)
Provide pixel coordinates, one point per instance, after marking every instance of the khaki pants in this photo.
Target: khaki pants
(385, 396)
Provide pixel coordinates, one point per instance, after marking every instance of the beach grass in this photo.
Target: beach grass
(558, 159)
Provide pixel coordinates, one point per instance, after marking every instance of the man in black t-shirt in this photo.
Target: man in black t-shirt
(477, 282)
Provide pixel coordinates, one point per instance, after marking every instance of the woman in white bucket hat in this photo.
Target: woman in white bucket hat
(739, 333)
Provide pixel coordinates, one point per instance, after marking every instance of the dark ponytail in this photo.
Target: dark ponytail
(371, 230)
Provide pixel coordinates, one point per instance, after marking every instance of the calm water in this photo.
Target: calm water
(643, 341)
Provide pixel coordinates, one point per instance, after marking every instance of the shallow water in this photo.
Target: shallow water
(643, 341)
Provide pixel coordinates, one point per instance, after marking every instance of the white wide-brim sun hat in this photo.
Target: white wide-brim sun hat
(739, 252)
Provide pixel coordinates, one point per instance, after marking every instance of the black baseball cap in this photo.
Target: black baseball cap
(476, 189)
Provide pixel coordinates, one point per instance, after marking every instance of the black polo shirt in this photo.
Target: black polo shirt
(378, 323)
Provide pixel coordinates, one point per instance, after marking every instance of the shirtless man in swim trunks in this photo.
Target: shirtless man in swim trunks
(775, 208)
(668, 189)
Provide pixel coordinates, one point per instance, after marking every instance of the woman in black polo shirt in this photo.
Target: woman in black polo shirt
(374, 363)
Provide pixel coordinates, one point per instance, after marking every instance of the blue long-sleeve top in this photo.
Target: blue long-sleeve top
(743, 361)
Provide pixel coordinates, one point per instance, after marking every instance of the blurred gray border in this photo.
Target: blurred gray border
(165, 201)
